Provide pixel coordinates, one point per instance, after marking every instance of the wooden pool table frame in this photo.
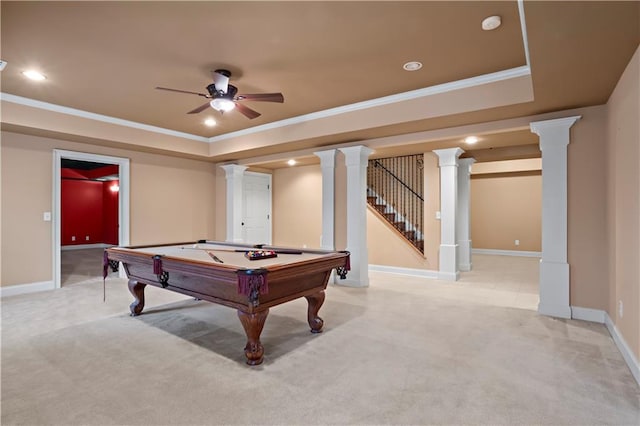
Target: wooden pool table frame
(221, 283)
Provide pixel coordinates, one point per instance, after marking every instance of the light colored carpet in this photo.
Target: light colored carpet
(404, 351)
(80, 265)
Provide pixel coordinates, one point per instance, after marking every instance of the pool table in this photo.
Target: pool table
(225, 273)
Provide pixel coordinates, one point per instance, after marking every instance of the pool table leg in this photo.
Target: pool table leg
(253, 324)
(137, 290)
(315, 302)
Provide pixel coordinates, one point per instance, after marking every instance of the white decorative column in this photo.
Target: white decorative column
(554, 269)
(448, 162)
(234, 174)
(328, 165)
(463, 220)
(356, 160)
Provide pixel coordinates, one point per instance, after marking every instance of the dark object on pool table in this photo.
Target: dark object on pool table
(260, 254)
(250, 290)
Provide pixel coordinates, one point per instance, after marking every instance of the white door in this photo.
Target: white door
(256, 208)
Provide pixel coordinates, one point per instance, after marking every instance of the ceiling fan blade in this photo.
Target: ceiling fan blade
(199, 109)
(263, 97)
(247, 112)
(220, 80)
(183, 91)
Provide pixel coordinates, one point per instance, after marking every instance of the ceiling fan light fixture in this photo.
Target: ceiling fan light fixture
(221, 104)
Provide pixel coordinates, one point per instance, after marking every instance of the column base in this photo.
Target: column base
(464, 255)
(554, 289)
(448, 276)
(449, 262)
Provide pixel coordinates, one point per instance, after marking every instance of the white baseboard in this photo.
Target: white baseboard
(423, 273)
(14, 290)
(507, 252)
(626, 352)
(602, 317)
(587, 314)
(86, 246)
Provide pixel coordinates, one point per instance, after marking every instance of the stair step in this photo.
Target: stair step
(401, 226)
(391, 217)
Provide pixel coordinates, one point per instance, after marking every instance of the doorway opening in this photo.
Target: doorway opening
(506, 223)
(87, 187)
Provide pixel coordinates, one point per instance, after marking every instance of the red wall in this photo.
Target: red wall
(110, 213)
(89, 208)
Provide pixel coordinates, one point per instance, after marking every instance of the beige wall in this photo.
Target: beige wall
(297, 206)
(623, 212)
(505, 208)
(172, 199)
(26, 194)
(586, 204)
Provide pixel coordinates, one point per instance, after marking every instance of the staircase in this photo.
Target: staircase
(394, 190)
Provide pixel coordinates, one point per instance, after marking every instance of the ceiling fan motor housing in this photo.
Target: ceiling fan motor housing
(215, 93)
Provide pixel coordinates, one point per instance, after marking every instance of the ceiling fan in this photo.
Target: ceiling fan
(224, 96)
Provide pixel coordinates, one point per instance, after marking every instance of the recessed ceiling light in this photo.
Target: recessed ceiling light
(34, 75)
(471, 139)
(210, 122)
(412, 66)
(491, 23)
(291, 162)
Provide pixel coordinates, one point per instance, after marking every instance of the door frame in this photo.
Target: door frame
(123, 200)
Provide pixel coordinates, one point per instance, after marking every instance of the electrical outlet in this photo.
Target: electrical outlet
(73, 238)
(46, 216)
(620, 308)
(86, 238)
(517, 242)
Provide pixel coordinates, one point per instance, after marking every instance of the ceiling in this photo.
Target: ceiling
(337, 63)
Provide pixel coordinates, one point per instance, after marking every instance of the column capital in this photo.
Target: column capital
(539, 127)
(449, 156)
(356, 155)
(233, 169)
(327, 158)
(466, 162)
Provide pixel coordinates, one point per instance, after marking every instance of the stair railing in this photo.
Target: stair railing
(395, 189)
